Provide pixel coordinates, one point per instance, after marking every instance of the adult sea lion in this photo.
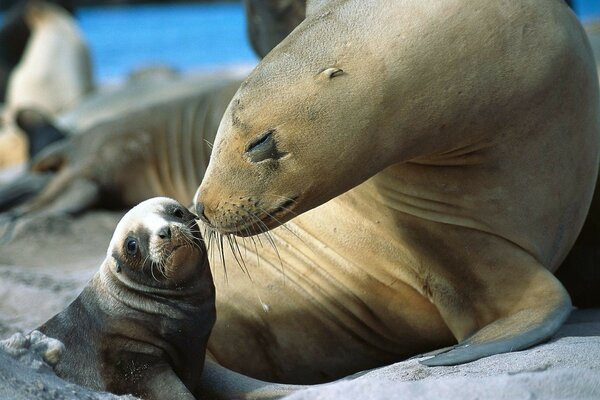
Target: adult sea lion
(462, 145)
(141, 325)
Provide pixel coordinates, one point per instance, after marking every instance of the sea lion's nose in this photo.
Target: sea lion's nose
(200, 212)
(164, 232)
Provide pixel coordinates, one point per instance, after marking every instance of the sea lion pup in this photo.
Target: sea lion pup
(462, 145)
(141, 325)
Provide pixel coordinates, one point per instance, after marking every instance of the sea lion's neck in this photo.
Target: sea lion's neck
(172, 303)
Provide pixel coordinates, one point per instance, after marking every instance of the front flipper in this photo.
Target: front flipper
(535, 320)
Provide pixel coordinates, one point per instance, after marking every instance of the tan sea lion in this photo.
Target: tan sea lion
(141, 324)
(124, 155)
(462, 144)
(53, 74)
(55, 70)
(14, 35)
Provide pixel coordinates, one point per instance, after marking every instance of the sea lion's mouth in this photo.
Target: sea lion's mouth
(264, 221)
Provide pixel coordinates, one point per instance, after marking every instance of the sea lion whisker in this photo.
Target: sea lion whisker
(267, 233)
(152, 270)
(256, 221)
(144, 263)
(279, 222)
(221, 248)
(252, 238)
(240, 261)
(162, 267)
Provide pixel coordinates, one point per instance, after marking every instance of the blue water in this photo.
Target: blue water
(587, 9)
(186, 36)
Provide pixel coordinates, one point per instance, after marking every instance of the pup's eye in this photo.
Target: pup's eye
(178, 213)
(263, 148)
(131, 246)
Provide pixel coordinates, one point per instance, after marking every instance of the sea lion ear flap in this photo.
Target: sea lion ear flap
(332, 72)
(39, 129)
(313, 7)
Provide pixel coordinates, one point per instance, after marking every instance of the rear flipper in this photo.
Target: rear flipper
(534, 320)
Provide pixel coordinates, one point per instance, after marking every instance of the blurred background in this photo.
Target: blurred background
(124, 35)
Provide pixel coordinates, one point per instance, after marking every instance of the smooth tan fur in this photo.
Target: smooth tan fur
(55, 71)
(435, 161)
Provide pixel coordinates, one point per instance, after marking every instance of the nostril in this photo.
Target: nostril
(164, 232)
(200, 212)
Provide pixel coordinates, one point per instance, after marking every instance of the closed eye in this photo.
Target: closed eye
(263, 148)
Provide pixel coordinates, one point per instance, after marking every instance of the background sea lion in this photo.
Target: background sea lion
(53, 74)
(14, 35)
(55, 70)
(141, 324)
(269, 22)
(123, 154)
(467, 141)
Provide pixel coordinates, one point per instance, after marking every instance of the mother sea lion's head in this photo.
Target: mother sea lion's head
(157, 246)
(302, 129)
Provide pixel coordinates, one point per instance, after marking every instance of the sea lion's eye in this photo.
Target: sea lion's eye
(263, 148)
(131, 246)
(178, 213)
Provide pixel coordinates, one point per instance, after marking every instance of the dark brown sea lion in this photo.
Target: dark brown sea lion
(142, 323)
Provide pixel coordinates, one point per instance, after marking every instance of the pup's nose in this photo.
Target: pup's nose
(200, 212)
(164, 232)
